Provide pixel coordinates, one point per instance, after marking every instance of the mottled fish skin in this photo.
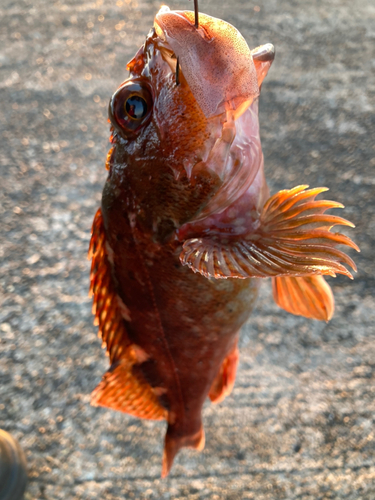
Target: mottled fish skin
(185, 323)
(186, 192)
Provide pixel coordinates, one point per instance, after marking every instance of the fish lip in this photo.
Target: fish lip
(215, 60)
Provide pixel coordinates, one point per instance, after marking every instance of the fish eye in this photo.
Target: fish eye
(130, 106)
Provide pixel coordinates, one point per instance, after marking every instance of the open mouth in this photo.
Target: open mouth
(224, 76)
(239, 233)
(214, 58)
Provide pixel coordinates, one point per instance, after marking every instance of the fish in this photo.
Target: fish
(187, 228)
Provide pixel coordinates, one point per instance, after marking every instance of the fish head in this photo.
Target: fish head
(191, 141)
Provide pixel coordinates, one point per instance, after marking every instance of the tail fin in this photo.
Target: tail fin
(174, 442)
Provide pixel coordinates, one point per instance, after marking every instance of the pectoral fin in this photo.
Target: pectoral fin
(293, 239)
(308, 296)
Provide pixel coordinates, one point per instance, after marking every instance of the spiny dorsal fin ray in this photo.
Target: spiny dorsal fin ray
(120, 389)
(105, 307)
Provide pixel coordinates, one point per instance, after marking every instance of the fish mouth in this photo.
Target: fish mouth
(237, 159)
(214, 58)
(219, 69)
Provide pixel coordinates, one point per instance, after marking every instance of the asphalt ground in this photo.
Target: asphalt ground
(300, 421)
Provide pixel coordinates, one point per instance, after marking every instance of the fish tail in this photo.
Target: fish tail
(175, 440)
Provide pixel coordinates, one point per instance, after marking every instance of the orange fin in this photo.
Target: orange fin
(293, 239)
(105, 306)
(224, 381)
(120, 388)
(173, 443)
(122, 391)
(308, 296)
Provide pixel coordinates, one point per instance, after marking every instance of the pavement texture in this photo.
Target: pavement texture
(300, 421)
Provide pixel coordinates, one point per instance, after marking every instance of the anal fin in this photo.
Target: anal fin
(224, 381)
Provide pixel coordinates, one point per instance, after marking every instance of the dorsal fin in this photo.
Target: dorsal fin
(105, 303)
(121, 389)
(308, 296)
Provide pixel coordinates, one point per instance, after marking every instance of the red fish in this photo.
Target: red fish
(187, 227)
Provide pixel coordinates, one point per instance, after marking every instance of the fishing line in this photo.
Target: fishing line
(196, 24)
(196, 13)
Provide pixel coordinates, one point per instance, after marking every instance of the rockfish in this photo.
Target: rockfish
(187, 227)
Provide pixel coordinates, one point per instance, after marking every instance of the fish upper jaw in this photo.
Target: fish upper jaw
(214, 58)
(225, 79)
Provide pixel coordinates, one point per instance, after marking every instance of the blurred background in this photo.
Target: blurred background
(300, 422)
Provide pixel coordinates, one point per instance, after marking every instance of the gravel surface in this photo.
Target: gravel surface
(300, 422)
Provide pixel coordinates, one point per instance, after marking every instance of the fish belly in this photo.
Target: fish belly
(184, 324)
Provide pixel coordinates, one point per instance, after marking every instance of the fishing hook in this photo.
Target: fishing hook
(196, 24)
(178, 72)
